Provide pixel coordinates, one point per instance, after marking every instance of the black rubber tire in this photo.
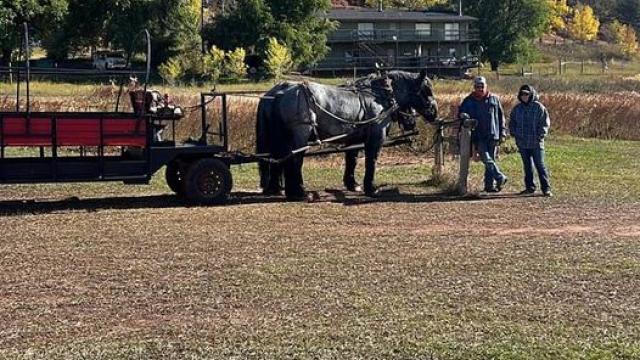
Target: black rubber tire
(174, 175)
(207, 182)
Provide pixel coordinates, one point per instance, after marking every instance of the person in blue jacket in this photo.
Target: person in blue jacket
(489, 132)
(529, 125)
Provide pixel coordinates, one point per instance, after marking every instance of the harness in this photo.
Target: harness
(391, 108)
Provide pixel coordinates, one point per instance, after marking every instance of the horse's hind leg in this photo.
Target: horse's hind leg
(271, 179)
(293, 180)
(372, 147)
(349, 177)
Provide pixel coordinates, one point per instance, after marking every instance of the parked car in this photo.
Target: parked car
(107, 60)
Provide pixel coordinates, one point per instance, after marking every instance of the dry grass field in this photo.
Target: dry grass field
(108, 271)
(116, 272)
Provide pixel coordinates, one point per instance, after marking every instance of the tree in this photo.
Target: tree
(628, 12)
(626, 39)
(252, 22)
(558, 11)
(244, 26)
(584, 26)
(508, 26)
(42, 16)
(84, 26)
(173, 25)
(278, 59)
(604, 9)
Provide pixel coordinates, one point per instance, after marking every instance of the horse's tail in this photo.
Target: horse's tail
(265, 108)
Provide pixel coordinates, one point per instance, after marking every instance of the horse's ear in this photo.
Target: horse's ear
(423, 75)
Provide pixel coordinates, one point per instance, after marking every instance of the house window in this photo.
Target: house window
(452, 31)
(365, 30)
(423, 30)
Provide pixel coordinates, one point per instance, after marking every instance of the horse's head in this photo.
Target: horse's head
(415, 92)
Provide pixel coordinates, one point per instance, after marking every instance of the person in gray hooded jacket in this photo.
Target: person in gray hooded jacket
(529, 125)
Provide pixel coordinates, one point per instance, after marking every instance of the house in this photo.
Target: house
(401, 39)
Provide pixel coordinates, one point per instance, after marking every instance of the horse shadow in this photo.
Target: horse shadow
(168, 201)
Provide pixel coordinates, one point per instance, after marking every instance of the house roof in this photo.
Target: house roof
(369, 14)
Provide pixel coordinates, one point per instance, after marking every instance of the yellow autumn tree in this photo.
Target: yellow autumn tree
(626, 39)
(559, 10)
(585, 25)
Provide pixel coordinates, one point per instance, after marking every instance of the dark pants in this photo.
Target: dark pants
(531, 158)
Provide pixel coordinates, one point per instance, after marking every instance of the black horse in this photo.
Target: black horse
(290, 115)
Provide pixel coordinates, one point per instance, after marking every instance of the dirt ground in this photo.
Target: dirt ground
(410, 274)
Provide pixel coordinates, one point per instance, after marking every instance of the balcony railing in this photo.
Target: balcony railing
(400, 62)
(432, 35)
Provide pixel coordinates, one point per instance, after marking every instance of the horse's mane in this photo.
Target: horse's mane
(373, 80)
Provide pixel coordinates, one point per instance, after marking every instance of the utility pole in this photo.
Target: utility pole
(460, 7)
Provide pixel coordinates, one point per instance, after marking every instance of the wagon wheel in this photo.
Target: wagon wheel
(208, 182)
(174, 175)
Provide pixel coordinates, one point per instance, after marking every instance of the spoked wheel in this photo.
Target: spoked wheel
(174, 174)
(208, 182)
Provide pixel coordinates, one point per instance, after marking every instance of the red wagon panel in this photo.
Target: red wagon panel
(17, 131)
(36, 130)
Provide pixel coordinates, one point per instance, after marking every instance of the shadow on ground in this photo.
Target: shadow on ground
(389, 195)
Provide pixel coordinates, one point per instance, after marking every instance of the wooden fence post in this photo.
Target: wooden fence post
(438, 169)
(465, 155)
(559, 66)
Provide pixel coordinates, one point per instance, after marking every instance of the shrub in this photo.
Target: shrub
(171, 70)
(278, 59)
(214, 64)
(235, 67)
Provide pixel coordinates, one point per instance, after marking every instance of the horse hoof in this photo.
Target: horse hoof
(313, 196)
(353, 188)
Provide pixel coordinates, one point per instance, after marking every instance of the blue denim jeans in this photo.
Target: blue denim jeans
(531, 158)
(487, 151)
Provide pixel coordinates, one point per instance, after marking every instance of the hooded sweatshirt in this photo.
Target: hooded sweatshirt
(530, 121)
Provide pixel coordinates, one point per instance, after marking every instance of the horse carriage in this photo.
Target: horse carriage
(294, 120)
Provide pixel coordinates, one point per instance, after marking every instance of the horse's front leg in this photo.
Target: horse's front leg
(372, 147)
(349, 178)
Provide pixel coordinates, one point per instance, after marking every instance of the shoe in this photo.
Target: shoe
(501, 183)
(491, 190)
(547, 193)
(526, 192)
